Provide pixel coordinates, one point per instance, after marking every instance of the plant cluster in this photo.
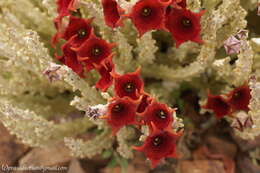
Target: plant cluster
(119, 70)
(131, 105)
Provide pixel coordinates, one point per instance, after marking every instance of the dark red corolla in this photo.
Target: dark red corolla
(121, 112)
(69, 58)
(240, 97)
(184, 25)
(78, 28)
(93, 51)
(129, 84)
(219, 105)
(148, 15)
(112, 13)
(106, 79)
(159, 114)
(159, 145)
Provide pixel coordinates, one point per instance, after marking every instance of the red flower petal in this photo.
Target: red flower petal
(69, 58)
(158, 145)
(148, 15)
(60, 28)
(159, 114)
(146, 100)
(65, 6)
(79, 27)
(112, 13)
(184, 25)
(179, 4)
(240, 98)
(93, 51)
(129, 84)
(218, 105)
(121, 112)
(105, 70)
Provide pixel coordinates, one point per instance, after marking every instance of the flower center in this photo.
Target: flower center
(117, 108)
(129, 87)
(146, 11)
(237, 95)
(186, 22)
(96, 51)
(222, 105)
(82, 33)
(161, 114)
(157, 141)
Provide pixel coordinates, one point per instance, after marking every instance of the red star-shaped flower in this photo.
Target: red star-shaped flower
(184, 25)
(93, 51)
(159, 145)
(112, 12)
(129, 84)
(240, 97)
(78, 28)
(159, 114)
(218, 104)
(121, 112)
(105, 70)
(69, 58)
(148, 15)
